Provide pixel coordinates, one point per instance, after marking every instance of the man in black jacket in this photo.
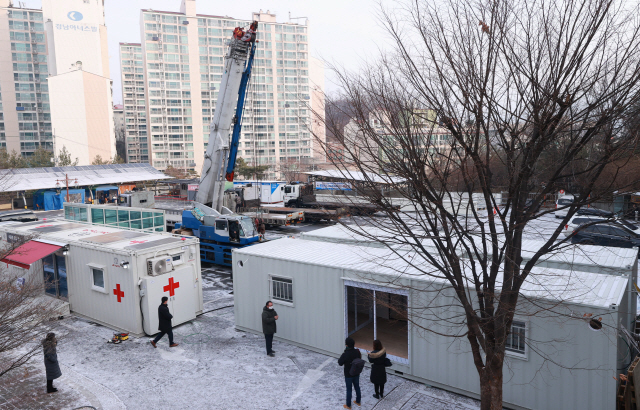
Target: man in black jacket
(164, 323)
(349, 355)
(269, 317)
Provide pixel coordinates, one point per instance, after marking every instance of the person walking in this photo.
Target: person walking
(269, 317)
(346, 359)
(164, 323)
(51, 361)
(378, 360)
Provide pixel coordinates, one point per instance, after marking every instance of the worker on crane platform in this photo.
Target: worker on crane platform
(246, 36)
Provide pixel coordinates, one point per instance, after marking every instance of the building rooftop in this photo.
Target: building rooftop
(356, 176)
(570, 254)
(29, 179)
(69, 232)
(573, 287)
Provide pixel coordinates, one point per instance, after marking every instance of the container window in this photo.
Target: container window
(158, 220)
(123, 216)
(97, 216)
(136, 224)
(147, 214)
(147, 223)
(135, 214)
(110, 216)
(98, 278)
(516, 338)
(282, 289)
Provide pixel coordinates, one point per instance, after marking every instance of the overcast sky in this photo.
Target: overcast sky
(341, 31)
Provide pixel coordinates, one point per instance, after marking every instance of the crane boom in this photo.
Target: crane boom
(221, 155)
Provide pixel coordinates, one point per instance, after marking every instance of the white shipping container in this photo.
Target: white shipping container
(115, 276)
(324, 292)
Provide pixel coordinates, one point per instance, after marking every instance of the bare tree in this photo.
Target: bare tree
(24, 312)
(476, 97)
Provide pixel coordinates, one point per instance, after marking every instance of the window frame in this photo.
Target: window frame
(515, 354)
(272, 297)
(93, 267)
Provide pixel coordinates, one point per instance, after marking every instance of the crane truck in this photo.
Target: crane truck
(220, 230)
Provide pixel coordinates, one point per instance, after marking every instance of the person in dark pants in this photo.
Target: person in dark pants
(164, 323)
(378, 360)
(349, 355)
(269, 317)
(51, 361)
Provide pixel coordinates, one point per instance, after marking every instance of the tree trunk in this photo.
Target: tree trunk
(491, 382)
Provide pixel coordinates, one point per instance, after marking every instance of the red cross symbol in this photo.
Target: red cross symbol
(171, 287)
(118, 292)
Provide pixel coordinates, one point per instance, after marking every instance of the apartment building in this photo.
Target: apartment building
(54, 79)
(134, 102)
(25, 112)
(182, 59)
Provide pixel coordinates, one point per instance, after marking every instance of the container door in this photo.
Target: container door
(61, 268)
(153, 288)
(50, 280)
(183, 300)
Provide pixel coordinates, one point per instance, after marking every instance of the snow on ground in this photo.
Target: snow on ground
(214, 367)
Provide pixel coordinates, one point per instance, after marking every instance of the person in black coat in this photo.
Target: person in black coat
(378, 360)
(51, 361)
(269, 317)
(164, 323)
(349, 355)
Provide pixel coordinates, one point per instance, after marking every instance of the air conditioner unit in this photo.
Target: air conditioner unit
(158, 266)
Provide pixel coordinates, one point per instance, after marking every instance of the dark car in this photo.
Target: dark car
(594, 212)
(610, 234)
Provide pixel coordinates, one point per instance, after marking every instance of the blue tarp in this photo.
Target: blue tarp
(106, 188)
(52, 200)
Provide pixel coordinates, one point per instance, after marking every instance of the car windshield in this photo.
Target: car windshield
(565, 201)
(628, 224)
(247, 227)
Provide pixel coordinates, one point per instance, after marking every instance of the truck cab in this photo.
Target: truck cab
(218, 233)
(294, 194)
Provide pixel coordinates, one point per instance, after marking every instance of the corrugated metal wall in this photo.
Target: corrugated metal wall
(317, 321)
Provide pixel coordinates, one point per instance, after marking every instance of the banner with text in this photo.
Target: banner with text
(333, 186)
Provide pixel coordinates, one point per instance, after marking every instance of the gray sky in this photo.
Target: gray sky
(341, 31)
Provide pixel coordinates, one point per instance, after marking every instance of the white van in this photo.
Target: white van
(563, 202)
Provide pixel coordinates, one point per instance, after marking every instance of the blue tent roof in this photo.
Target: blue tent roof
(106, 188)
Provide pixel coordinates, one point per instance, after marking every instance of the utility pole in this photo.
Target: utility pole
(66, 181)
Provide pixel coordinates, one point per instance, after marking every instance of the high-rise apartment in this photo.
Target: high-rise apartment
(182, 59)
(54, 77)
(25, 115)
(134, 102)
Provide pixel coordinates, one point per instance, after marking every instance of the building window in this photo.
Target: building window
(97, 277)
(282, 289)
(515, 339)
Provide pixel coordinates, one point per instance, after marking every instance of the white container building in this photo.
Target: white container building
(583, 258)
(324, 292)
(115, 277)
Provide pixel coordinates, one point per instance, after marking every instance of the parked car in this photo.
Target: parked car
(563, 201)
(609, 234)
(591, 215)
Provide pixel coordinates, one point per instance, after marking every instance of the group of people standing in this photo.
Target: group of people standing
(353, 364)
(351, 359)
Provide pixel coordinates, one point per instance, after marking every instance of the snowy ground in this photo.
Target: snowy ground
(214, 367)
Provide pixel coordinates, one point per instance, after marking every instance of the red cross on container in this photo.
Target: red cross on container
(118, 292)
(171, 287)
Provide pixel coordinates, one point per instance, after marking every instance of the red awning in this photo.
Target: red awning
(32, 251)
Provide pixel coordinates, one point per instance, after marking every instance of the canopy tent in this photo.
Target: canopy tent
(24, 255)
(52, 200)
(107, 188)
